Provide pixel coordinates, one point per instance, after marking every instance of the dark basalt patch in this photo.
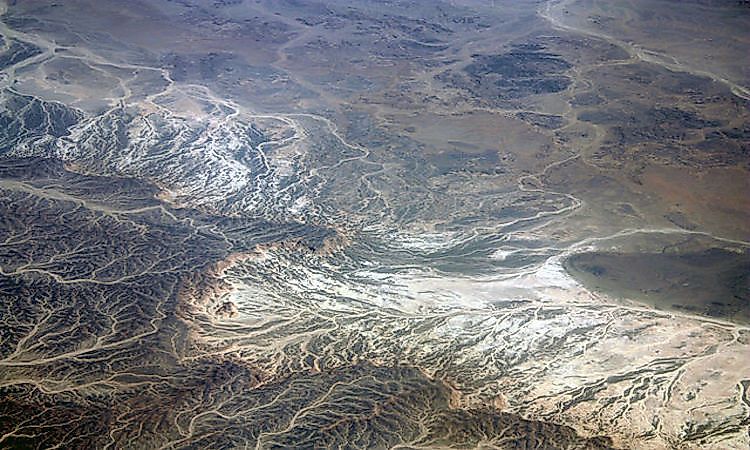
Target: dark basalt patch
(518, 65)
(712, 283)
(669, 135)
(547, 121)
(520, 72)
(643, 120)
(523, 71)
